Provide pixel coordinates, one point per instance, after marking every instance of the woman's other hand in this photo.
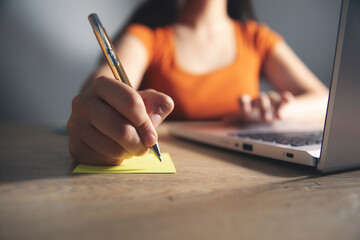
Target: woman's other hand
(266, 108)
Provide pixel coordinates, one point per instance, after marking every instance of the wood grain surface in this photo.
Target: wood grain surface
(215, 194)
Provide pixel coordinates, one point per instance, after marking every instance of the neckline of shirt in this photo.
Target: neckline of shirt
(181, 70)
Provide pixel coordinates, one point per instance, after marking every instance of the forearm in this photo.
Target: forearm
(133, 57)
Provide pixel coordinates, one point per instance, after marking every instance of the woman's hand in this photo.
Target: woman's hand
(265, 108)
(111, 121)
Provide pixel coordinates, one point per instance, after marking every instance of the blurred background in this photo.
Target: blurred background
(47, 48)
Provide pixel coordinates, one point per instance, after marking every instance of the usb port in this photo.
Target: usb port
(290, 155)
(247, 147)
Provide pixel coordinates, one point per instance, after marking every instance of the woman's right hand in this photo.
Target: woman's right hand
(111, 121)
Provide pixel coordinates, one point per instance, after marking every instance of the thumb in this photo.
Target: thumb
(158, 105)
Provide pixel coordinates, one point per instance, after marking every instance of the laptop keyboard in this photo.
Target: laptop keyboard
(295, 139)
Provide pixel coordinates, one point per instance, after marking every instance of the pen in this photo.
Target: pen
(113, 61)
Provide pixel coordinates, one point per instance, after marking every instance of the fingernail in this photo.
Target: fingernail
(156, 119)
(150, 140)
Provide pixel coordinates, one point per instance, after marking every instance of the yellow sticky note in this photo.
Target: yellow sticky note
(147, 163)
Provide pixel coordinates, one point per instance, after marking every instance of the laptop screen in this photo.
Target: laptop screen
(341, 147)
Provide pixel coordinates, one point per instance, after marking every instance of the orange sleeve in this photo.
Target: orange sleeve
(146, 36)
(263, 38)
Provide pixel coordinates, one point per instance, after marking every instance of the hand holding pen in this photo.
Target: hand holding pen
(111, 121)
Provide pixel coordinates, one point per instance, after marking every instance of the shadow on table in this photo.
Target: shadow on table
(33, 152)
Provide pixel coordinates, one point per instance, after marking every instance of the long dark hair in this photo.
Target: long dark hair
(159, 13)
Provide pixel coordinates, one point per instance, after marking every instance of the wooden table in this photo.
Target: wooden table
(215, 194)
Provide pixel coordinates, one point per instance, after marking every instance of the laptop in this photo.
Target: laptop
(328, 147)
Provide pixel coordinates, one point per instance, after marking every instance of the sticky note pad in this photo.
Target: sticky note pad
(147, 163)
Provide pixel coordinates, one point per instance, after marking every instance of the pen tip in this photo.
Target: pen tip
(155, 149)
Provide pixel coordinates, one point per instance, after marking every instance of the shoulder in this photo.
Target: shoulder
(252, 26)
(150, 37)
(157, 42)
(145, 32)
(259, 36)
(257, 31)
(141, 31)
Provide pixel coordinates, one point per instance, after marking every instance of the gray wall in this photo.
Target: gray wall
(308, 26)
(48, 48)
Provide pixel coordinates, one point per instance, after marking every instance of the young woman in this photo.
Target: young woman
(206, 56)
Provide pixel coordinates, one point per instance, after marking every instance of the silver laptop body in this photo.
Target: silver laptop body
(338, 147)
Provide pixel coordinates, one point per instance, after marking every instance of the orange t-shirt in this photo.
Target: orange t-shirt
(210, 95)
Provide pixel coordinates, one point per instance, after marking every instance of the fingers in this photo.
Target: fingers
(128, 103)
(111, 122)
(265, 108)
(82, 153)
(158, 105)
(108, 122)
(287, 97)
(278, 100)
(263, 103)
(245, 114)
(245, 104)
(270, 104)
(95, 139)
(248, 112)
